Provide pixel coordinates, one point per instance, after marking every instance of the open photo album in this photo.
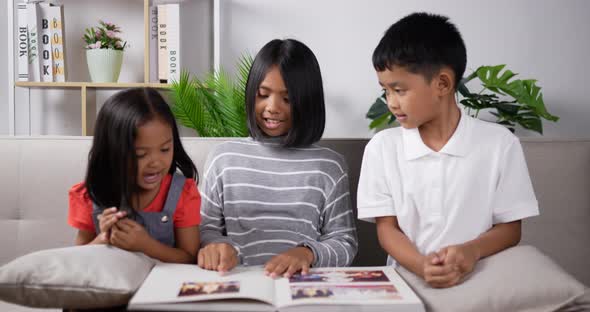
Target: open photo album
(180, 287)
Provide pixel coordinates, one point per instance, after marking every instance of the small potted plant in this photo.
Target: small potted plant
(104, 52)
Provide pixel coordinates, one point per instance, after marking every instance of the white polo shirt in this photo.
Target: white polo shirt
(479, 178)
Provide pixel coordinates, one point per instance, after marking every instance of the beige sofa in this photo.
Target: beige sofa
(37, 172)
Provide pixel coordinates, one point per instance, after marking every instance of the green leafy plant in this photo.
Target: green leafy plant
(512, 101)
(215, 106)
(105, 36)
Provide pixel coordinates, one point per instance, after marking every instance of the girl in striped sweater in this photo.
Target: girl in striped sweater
(277, 199)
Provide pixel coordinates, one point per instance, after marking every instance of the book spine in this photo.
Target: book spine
(45, 43)
(173, 40)
(34, 64)
(57, 43)
(154, 43)
(23, 43)
(162, 44)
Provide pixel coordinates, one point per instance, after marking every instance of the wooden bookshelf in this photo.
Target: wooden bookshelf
(84, 86)
(107, 85)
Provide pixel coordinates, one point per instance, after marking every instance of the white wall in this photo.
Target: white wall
(543, 39)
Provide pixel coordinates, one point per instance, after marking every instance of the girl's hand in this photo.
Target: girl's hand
(220, 257)
(107, 218)
(101, 238)
(129, 235)
(289, 262)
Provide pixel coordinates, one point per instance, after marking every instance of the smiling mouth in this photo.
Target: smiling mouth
(151, 178)
(272, 124)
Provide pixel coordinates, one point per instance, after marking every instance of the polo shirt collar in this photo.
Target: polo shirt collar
(458, 144)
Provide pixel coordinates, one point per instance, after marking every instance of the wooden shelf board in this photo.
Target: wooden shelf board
(116, 85)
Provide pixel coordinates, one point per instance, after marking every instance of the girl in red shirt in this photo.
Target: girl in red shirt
(133, 197)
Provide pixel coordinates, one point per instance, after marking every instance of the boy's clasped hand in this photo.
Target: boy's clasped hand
(449, 266)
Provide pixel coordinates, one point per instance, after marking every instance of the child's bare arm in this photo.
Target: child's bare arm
(84, 237)
(496, 239)
(397, 244)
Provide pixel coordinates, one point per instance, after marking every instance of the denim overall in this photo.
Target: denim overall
(159, 225)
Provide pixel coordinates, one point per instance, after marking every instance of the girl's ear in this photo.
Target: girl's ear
(445, 81)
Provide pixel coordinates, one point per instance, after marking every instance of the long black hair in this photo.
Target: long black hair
(112, 163)
(300, 71)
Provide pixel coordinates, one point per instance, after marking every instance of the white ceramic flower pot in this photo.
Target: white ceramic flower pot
(104, 65)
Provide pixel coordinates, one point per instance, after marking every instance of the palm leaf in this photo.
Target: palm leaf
(215, 106)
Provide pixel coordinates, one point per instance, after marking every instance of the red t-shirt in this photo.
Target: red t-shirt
(187, 210)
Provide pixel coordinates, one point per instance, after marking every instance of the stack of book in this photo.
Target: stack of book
(165, 43)
(41, 48)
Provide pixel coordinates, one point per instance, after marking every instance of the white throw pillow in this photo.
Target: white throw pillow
(79, 277)
(518, 279)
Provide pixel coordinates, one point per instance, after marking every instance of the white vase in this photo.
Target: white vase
(104, 65)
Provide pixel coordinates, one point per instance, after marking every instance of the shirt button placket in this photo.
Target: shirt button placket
(440, 183)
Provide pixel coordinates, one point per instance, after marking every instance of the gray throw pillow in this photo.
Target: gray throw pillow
(79, 277)
(518, 279)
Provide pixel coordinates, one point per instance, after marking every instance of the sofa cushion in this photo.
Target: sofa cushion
(90, 276)
(518, 279)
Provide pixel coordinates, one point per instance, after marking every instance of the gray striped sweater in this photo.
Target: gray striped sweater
(265, 199)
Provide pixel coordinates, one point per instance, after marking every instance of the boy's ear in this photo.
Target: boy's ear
(445, 81)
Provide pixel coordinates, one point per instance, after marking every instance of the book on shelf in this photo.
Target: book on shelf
(56, 22)
(23, 43)
(33, 47)
(162, 44)
(173, 40)
(183, 287)
(46, 58)
(154, 43)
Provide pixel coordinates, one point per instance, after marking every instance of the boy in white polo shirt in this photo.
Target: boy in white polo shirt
(444, 189)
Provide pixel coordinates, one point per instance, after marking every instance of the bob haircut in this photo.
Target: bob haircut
(300, 71)
(111, 176)
(422, 43)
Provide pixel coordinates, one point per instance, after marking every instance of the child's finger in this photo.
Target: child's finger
(206, 259)
(114, 239)
(279, 269)
(106, 223)
(305, 268)
(109, 211)
(441, 280)
(200, 259)
(441, 255)
(214, 259)
(124, 225)
(432, 258)
(451, 256)
(270, 266)
(439, 270)
(226, 261)
(292, 269)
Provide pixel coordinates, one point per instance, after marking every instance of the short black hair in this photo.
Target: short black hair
(423, 43)
(111, 175)
(301, 73)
